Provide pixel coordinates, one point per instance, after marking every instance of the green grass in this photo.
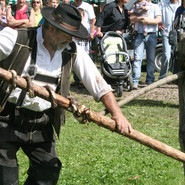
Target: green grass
(95, 156)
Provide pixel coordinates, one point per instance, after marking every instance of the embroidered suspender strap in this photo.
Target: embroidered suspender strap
(33, 60)
(16, 61)
(68, 58)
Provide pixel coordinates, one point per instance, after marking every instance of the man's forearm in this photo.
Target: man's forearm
(122, 123)
(146, 20)
(111, 104)
(16, 23)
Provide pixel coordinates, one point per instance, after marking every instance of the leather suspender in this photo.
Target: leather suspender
(16, 61)
(30, 72)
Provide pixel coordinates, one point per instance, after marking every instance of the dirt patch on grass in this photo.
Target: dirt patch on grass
(166, 93)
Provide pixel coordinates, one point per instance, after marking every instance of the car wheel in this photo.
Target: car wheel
(119, 91)
(158, 57)
(130, 83)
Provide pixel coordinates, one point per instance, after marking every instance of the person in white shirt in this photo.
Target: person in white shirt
(168, 15)
(89, 17)
(30, 124)
(148, 41)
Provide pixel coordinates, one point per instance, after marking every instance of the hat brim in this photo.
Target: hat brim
(80, 33)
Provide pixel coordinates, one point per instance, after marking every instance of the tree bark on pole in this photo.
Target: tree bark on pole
(181, 84)
(97, 118)
(146, 89)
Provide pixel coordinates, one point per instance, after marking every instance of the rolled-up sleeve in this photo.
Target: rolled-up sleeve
(8, 37)
(87, 71)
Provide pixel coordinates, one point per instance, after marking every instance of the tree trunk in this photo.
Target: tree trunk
(134, 94)
(181, 84)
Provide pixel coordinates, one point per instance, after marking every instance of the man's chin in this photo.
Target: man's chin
(62, 45)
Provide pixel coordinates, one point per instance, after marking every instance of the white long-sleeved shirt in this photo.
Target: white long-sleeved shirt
(83, 67)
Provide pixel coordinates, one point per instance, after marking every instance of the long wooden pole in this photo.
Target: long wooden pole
(98, 118)
(146, 89)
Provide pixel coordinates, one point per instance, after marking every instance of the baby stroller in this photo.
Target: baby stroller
(115, 62)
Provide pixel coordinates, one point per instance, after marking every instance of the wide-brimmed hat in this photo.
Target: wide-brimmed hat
(66, 18)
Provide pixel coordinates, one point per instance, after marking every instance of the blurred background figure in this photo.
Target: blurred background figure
(148, 41)
(83, 43)
(66, 1)
(114, 17)
(168, 15)
(3, 9)
(4, 4)
(20, 15)
(53, 3)
(37, 6)
(89, 18)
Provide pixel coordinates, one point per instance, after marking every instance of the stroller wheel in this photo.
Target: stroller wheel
(130, 83)
(119, 91)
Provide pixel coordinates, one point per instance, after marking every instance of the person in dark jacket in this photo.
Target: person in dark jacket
(114, 17)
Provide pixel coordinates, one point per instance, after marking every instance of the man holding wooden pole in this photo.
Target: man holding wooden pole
(46, 56)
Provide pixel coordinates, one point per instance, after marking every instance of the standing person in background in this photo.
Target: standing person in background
(4, 3)
(83, 43)
(20, 15)
(3, 7)
(180, 10)
(37, 6)
(79, 41)
(89, 18)
(114, 17)
(149, 42)
(168, 15)
(53, 3)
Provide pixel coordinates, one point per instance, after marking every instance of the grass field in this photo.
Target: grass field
(95, 156)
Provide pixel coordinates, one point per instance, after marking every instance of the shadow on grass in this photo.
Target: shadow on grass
(152, 103)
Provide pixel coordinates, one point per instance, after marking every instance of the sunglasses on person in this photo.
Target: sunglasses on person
(36, 2)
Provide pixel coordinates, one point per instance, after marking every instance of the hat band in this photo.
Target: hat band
(57, 19)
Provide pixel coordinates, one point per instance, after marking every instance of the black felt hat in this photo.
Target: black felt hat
(66, 18)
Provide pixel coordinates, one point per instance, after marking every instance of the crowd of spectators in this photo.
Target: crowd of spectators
(146, 17)
(27, 122)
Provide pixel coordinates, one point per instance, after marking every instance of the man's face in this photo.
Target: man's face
(21, 2)
(53, 3)
(59, 39)
(78, 2)
(66, 1)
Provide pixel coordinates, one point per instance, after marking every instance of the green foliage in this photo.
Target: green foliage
(95, 156)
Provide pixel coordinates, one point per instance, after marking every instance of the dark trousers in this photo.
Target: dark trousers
(32, 132)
